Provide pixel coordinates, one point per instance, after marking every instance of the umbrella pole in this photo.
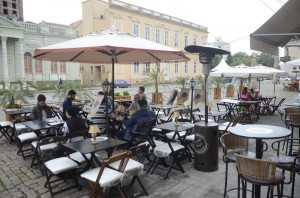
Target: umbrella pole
(113, 53)
(205, 99)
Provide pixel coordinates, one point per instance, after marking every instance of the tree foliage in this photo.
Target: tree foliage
(154, 77)
(15, 94)
(82, 93)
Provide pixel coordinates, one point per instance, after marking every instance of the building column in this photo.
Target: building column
(4, 58)
(58, 70)
(33, 70)
(21, 52)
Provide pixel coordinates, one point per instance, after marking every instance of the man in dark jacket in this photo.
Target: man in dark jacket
(74, 122)
(68, 101)
(41, 110)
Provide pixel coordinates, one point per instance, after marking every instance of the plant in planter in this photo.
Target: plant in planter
(126, 95)
(155, 77)
(217, 90)
(230, 90)
(10, 97)
(82, 93)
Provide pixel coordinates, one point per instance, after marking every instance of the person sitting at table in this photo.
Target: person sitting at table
(74, 122)
(134, 107)
(142, 93)
(245, 95)
(41, 111)
(130, 123)
(68, 103)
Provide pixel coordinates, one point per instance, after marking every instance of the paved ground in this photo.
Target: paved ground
(17, 179)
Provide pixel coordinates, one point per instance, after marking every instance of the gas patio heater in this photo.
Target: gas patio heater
(206, 133)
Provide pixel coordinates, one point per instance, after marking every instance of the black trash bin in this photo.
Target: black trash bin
(206, 146)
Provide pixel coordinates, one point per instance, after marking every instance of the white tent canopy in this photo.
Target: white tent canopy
(289, 66)
(222, 65)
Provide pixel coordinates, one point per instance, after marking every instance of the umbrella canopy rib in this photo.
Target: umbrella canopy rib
(154, 57)
(72, 59)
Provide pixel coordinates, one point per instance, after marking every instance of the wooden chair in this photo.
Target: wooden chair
(260, 173)
(223, 128)
(233, 144)
(105, 177)
(275, 107)
(287, 112)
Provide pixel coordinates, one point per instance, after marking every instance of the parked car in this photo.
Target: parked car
(121, 84)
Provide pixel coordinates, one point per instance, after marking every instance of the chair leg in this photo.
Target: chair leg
(226, 175)
(293, 184)
(151, 164)
(155, 166)
(169, 169)
(141, 184)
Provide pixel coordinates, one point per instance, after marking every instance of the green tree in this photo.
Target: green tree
(241, 58)
(182, 80)
(216, 61)
(265, 59)
(154, 77)
(229, 59)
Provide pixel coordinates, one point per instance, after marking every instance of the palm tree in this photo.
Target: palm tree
(182, 80)
(82, 93)
(154, 77)
(15, 93)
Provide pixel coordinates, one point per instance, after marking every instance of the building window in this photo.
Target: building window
(147, 67)
(195, 67)
(92, 69)
(167, 38)
(136, 68)
(5, 11)
(195, 40)
(136, 29)
(4, 4)
(82, 69)
(14, 5)
(176, 39)
(157, 35)
(147, 33)
(28, 62)
(38, 66)
(15, 12)
(53, 67)
(158, 67)
(62, 67)
(186, 40)
(186, 67)
(176, 68)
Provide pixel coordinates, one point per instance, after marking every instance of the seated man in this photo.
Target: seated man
(130, 123)
(41, 111)
(134, 105)
(68, 103)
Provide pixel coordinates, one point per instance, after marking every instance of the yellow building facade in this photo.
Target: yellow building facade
(98, 15)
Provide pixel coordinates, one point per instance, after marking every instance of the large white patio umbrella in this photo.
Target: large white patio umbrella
(109, 46)
(289, 66)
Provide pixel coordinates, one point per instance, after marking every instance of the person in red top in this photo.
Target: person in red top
(246, 95)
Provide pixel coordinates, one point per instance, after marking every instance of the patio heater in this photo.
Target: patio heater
(192, 85)
(106, 89)
(206, 133)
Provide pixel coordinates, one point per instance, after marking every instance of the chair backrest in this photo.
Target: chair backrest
(144, 125)
(74, 134)
(123, 157)
(233, 122)
(295, 118)
(49, 153)
(222, 107)
(280, 102)
(139, 152)
(255, 168)
(230, 141)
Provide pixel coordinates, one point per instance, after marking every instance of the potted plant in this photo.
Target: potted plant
(81, 92)
(217, 90)
(181, 81)
(155, 77)
(126, 95)
(14, 97)
(230, 90)
(118, 96)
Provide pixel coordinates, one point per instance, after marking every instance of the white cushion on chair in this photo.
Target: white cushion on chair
(6, 123)
(45, 146)
(18, 126)
(77, 156)
(132, 168)
(109, 176)
(156, 129)
(27, 136)
(164, 150)
(61, 164)
(171, 134)
(190, 138)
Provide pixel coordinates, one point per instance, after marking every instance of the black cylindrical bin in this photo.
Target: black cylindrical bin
(206, 146)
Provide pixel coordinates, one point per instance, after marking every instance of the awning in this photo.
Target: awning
(278, 30)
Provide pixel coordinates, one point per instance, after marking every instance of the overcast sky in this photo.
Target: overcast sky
(233, 20)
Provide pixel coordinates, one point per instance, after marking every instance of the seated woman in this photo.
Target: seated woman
(246, 95)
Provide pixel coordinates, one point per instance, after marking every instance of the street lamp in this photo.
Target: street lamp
(106, 89)
(192, 85)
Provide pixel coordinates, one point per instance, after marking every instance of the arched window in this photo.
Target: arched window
(28, 62)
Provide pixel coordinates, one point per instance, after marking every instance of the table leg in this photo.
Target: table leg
(259, 154)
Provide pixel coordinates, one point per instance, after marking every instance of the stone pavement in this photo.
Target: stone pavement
(17, 179)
